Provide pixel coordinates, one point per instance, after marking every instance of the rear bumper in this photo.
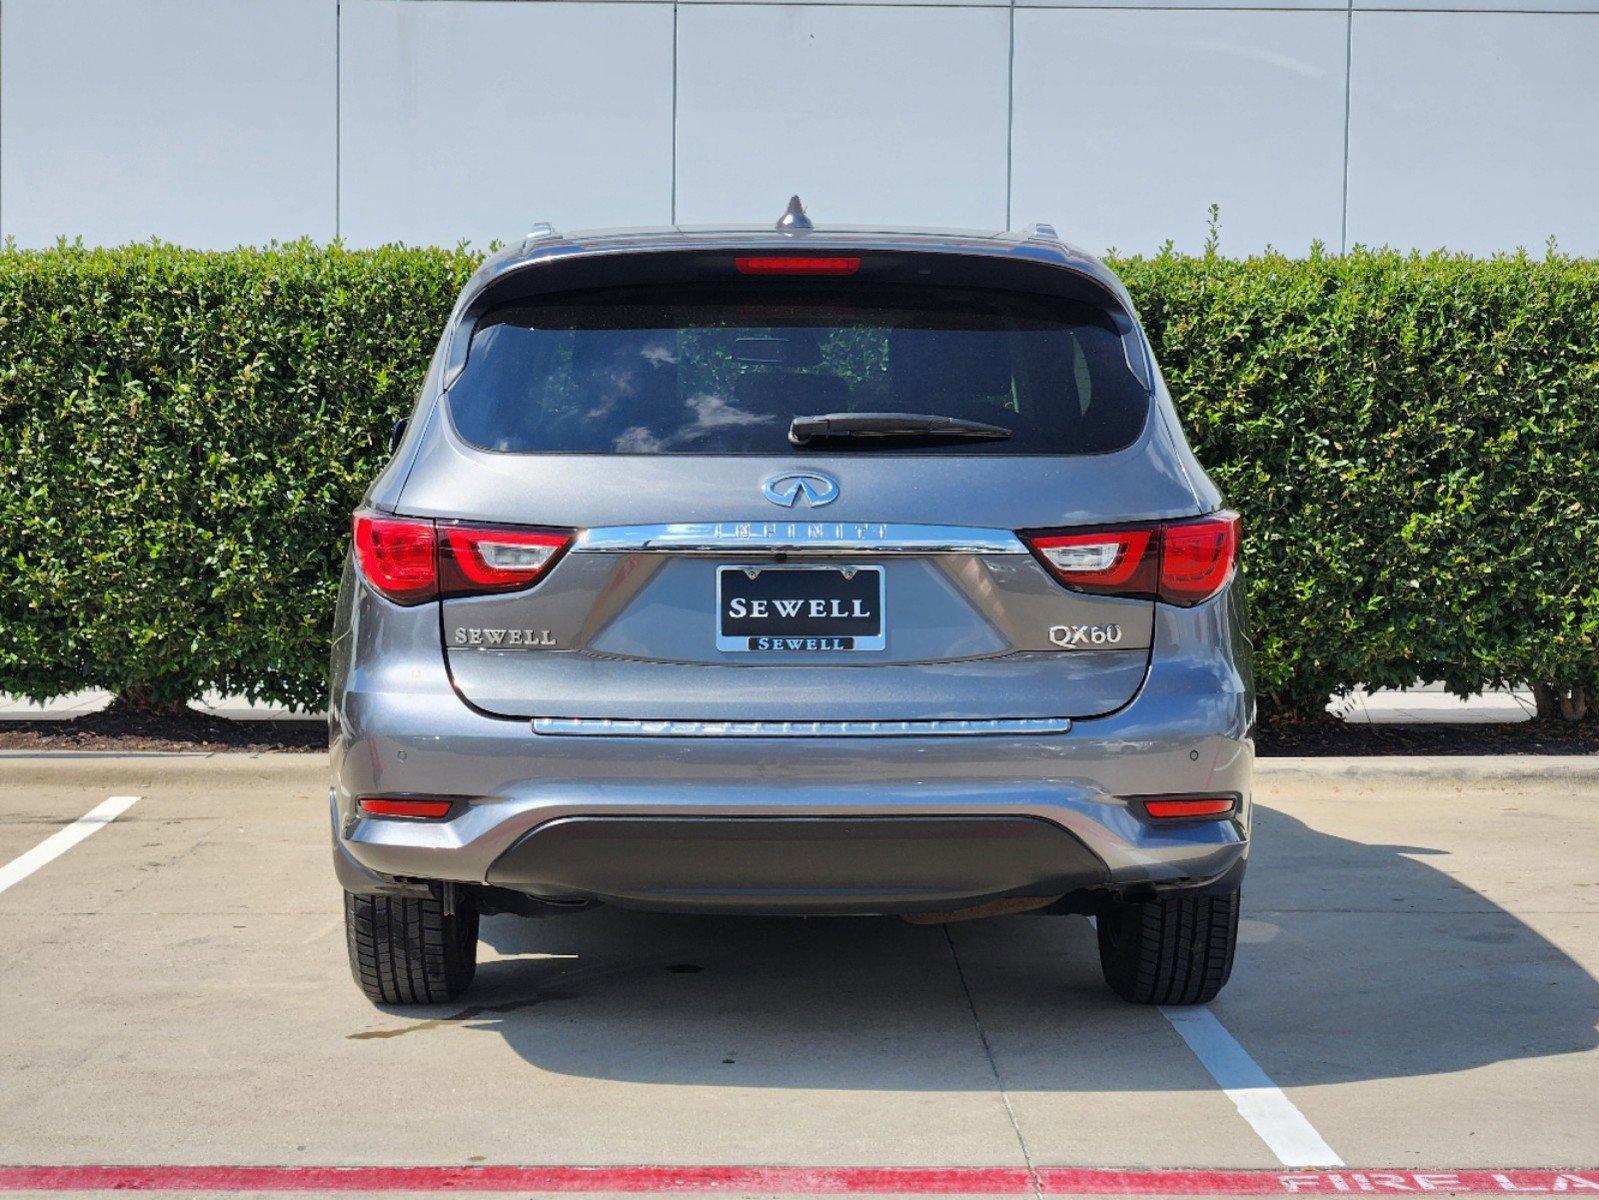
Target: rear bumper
(700, 815)
(797, 864)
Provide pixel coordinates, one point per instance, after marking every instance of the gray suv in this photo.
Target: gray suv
(792, 571)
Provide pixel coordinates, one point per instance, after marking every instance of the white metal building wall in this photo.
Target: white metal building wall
(1472, 124)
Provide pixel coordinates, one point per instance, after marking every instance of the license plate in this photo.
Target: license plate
(799, 610)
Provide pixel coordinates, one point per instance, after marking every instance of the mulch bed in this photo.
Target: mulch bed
(122, 730)
(1321, 739)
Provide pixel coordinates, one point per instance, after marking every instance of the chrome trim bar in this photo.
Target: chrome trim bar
(798, 537)
(606, 727)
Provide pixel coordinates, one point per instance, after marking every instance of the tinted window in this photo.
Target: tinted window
(719, 370)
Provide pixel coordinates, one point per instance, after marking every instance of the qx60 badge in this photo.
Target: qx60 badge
(1070, 636)
(789, 488)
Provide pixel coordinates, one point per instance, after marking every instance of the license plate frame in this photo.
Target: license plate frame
(745, 642)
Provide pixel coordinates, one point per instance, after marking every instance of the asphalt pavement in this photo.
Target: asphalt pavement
(1415, 996)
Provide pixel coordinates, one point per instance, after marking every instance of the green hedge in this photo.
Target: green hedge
(1414, 443)
(182, 438)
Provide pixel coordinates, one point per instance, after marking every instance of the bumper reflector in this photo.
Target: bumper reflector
(388, 806)
(1205, 806)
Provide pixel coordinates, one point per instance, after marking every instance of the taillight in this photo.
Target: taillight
(405, 806)
(412, 560)
(397, 557)
(794, 264)
(479, 559)
(1180, 562)
(1197, 558)
(1116, 562)
(1189, 807)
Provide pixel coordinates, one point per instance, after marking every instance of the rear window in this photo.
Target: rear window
(719, 369)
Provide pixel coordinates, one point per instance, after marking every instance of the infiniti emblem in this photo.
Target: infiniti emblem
(818, 489)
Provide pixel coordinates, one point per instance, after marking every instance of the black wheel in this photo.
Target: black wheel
(1177, 951)
(405, 951)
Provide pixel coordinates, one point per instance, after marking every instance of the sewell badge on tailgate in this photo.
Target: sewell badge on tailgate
(501, 639)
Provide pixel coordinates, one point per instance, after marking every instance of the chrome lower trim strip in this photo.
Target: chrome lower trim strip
(607, 727)
(798, 537)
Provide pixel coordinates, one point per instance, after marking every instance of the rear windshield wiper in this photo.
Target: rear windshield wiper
(889, 425)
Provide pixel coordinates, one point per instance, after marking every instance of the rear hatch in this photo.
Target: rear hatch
(797, 489)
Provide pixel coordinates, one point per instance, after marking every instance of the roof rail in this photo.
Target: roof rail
(538, 231)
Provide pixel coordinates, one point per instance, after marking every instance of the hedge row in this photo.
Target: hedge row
(1414, 442)
(182, 438)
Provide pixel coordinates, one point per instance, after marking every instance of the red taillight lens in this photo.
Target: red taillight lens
(482, 559)
(1197, 558)
(398, 557)
(793, 264)
(1112, 561)
(1181, 563)
(1198, 806)
(395, 806)
(411, 561)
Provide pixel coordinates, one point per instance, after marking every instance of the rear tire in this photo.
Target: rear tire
(410, 951)
(1169, 951)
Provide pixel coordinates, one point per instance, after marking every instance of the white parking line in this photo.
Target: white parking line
(62, 840)
(1259, 1101)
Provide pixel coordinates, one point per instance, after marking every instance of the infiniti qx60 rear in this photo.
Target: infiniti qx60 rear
(793, 571)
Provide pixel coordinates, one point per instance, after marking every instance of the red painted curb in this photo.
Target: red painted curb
(798, 1180)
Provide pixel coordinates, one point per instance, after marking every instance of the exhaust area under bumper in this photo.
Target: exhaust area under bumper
(789, 865)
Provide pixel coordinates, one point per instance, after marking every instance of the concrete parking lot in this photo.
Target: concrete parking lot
(1416, 996)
